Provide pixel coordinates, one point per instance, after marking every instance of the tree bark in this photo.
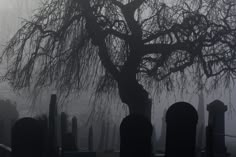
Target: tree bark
(135, 96)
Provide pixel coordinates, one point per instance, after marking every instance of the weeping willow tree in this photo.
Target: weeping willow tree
(123, 46)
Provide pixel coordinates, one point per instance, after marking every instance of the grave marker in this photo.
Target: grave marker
(216, 120)
(181, 120)
(135, 136)
(27, 138)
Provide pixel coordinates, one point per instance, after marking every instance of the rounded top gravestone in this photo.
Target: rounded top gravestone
(27, 138)
(181, 120)
(135, 135)
(217, 106)
(183, 113)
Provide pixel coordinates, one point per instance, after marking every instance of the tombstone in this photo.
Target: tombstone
(69, 142)
(181, 121)
(135, 136)
(63, 128)
(27, 138)
(75, 131)
(209, 141)
(52, 122)
(216, 120)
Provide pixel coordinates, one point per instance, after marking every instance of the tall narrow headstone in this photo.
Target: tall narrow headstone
(75, 130)
(53, 126)
(63, 128)
(181, 119)
(216, 120)
(135, 136)
(27, 138)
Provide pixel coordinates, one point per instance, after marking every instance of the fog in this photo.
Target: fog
(11, 14)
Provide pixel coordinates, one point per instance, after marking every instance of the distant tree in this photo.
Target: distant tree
(8, 116)
(123, 46)
(8, 110)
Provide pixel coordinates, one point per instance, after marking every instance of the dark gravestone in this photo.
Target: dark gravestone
(27, 138)
(63, 128)
(135, 136)
(52, 127)
(216, 121)
(43, 120)
(181, 119)
(209, 141)
(75, 131)
(69, 142)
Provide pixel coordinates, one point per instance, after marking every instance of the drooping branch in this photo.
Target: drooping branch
(70, 42)
(98, 38)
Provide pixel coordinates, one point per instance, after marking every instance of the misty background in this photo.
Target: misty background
(12, 12)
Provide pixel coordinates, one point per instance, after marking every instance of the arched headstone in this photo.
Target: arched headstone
(216, 121)
(135, 136)
(27, 138)
(181, 119)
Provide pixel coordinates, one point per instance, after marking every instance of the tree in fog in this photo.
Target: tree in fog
(123, 46)
(8, 110)
(8, 116)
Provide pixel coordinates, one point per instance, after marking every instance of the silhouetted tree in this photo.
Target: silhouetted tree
(128, 45)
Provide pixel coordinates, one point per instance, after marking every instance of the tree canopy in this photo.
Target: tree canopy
(80, 44)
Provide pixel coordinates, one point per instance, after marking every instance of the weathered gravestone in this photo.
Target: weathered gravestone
(52, 127)
(75, 131)
(181, 120)
(63, 129)
(43, 120)
(69, 142)
(135, 136)
(27, 138)
(216, 121)
(209, 141)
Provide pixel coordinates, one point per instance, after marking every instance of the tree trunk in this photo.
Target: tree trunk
(135, 96)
